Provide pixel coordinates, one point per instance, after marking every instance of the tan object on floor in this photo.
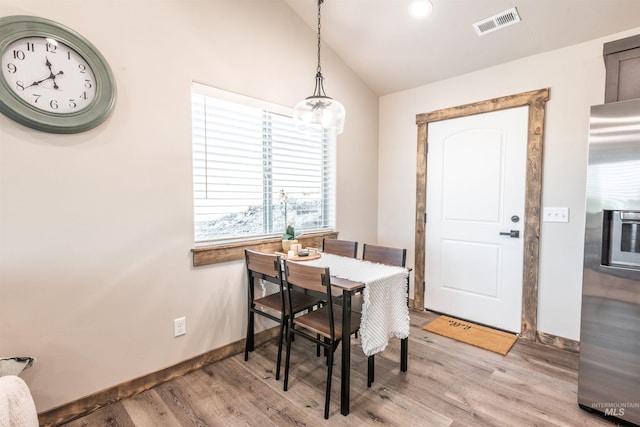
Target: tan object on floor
(470, 333)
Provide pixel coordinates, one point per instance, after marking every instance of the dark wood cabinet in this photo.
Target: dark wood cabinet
(622, 61)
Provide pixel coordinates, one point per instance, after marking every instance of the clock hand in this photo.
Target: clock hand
(37, 83)
(48, 64)
(51, 76)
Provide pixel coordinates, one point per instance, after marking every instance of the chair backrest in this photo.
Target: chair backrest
(384, 255)
(305, 277)
(266, 266)
(345, 248)
(315, 279)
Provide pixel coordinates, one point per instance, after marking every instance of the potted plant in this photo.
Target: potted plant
(290, 237)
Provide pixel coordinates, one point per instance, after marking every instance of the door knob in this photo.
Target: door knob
(513, 233)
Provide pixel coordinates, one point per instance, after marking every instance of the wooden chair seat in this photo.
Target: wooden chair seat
(299, 301)
(317, 321)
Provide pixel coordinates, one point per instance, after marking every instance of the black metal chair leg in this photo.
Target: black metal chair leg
(327, 398)
(287, 359)
(283, 330)
(248, 344)
(327, 350)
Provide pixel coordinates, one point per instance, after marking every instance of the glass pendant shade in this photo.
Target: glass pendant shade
(319, 110)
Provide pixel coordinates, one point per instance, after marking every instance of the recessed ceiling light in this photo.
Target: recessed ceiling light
(420, 8)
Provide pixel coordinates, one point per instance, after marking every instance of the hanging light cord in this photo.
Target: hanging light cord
(319, 89)
(319, 3)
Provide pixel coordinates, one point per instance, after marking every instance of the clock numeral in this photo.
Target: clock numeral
(88, 84)
(31, 47)
(19, 85)
(72, 103)
(53, 104)
(84, 96)
(37, 97)
(18, 54)
(11, 68)
(82, 68)
(51, 48)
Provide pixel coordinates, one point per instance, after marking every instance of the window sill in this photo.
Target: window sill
(207, 255)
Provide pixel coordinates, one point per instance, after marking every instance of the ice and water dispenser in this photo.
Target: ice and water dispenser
(621, 238)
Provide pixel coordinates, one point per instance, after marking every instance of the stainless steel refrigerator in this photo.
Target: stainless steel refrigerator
(609, 377)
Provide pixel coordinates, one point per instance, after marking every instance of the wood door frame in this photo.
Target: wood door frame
(536, 100)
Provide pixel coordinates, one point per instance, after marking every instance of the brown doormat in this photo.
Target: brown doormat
(470, 333)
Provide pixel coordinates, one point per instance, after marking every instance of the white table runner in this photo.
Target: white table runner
(384, 313)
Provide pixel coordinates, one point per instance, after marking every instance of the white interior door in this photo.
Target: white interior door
(476, 172)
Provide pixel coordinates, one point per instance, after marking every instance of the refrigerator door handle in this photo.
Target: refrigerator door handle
(630, 216)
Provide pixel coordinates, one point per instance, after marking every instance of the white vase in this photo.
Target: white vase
(286, 245)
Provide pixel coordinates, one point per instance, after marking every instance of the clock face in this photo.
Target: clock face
(52, 79)
(48, 75)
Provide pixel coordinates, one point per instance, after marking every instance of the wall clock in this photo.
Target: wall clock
(52, 78)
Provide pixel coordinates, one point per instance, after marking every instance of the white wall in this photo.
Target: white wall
(575, 76)
(96, 228)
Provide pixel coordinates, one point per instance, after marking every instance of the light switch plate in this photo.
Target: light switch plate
(179, 326)
(555, 215)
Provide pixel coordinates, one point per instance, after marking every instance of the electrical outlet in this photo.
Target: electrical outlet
(555, 215)
(179, 326)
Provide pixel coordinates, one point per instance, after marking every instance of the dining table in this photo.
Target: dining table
(385, 311)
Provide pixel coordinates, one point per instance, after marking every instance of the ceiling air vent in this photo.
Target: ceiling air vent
(496, 22)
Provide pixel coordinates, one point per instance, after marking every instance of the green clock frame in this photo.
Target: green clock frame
(16, 27)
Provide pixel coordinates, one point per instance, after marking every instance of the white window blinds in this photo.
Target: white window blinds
(254, 173)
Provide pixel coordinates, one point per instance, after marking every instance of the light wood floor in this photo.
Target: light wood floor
(448, 384)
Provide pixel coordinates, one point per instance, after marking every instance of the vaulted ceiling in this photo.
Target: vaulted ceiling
(392, 51)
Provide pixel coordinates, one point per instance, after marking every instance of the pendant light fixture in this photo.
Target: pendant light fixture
(319, 109)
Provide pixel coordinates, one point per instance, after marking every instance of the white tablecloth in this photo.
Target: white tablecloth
(384, 313)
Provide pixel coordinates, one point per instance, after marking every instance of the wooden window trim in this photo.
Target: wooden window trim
(207, 255)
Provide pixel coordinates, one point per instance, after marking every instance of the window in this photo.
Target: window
(254, 173)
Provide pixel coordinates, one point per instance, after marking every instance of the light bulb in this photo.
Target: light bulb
(420, 8)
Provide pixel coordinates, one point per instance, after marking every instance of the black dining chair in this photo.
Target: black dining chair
(322, 326)
(345, 248)
(268, 268)
(398, 258)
